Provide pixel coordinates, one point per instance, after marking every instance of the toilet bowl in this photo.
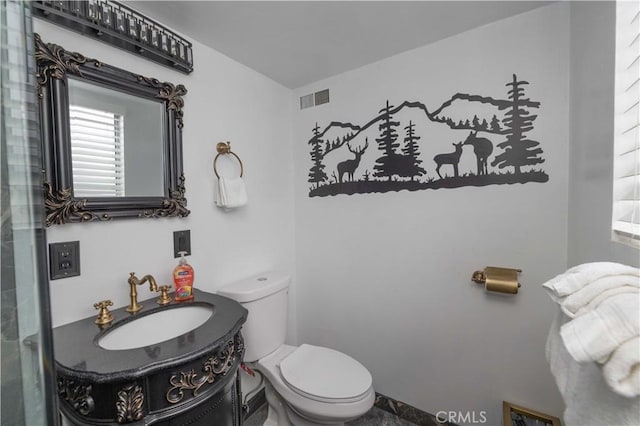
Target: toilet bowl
(306, 385)
(317, 385)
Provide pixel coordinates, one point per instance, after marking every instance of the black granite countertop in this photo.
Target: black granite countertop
(79, 356)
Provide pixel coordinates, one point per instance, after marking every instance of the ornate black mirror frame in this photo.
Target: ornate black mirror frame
(54, 64)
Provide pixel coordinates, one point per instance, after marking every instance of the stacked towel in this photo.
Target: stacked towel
(590, 296)
(622, 370)
(603, 300)
(583, 276)
(588, 398)
(231, 193)
(595, 335)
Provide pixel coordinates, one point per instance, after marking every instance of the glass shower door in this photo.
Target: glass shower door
(27, 370)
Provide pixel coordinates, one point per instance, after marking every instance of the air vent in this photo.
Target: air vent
(322, 97)
(306, 101)
(312, 99)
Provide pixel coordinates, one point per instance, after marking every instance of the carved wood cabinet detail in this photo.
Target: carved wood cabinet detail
(207, 388)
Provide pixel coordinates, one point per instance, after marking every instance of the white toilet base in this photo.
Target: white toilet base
(281, 414)
(277, 413)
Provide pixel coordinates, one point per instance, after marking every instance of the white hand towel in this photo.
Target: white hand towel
(592, 294)
(219, 197)
(231, 193)
(596, 334)
(217, 194)
(622, 370)
(577, 277)
(588, 399)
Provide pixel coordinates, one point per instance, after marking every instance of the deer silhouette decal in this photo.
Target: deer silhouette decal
(349, 166)
(501, 128)
(452, 158)
(482, 148)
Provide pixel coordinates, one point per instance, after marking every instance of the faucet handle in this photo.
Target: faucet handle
(164, 298)
(104, 316)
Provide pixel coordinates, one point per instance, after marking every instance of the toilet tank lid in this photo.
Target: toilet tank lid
(256, 287)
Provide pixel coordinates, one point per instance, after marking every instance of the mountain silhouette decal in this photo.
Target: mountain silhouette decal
(470, 140)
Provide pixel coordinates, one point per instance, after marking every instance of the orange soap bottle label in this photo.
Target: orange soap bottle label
(183, 281)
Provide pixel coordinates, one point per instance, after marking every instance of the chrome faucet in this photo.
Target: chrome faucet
(134, 281)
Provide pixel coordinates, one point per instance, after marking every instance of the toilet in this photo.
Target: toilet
(305, 385)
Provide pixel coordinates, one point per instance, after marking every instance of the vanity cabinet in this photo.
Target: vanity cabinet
(191, 379)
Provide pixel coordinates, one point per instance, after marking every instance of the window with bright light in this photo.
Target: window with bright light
(97, 152)
(626, 172)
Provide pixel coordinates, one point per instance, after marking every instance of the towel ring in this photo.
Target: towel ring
(225, 148)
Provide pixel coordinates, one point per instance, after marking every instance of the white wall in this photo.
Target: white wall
(226, 101)
(591, 164)
(386, 277)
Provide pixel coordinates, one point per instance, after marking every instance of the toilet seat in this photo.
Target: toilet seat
(325, 375)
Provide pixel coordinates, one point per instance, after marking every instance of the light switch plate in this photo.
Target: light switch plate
(64, 260)
(181, 242)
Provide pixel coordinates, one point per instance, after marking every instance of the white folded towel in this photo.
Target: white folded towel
(596, 334)
(588, 399)
(591, 295)
(579, 276)
(231, 193)
(622, 370)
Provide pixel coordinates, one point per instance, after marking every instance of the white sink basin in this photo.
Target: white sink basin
(156, 327)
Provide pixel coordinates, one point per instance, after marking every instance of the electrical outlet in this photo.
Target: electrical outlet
(181, 242)
(64, 260)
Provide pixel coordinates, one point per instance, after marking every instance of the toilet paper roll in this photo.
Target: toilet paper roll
(501, 280)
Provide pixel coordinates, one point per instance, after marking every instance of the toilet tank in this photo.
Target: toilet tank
(265, 297)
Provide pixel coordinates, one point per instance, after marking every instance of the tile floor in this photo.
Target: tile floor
(375, 417)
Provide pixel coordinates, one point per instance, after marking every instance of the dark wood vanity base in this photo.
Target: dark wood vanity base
(191, 379)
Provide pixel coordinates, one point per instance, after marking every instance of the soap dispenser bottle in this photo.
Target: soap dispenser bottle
(183, 279)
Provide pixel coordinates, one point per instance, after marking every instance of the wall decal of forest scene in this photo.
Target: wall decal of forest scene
(470, 140)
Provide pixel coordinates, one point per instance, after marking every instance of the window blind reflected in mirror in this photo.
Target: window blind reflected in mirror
(97, 152)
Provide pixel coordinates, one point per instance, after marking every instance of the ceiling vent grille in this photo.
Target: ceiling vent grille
(322, 97)
(313, 99)
(306, 101)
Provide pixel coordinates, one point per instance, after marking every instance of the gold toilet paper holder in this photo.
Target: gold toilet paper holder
(501, 280)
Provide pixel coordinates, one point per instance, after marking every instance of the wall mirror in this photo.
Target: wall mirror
(112, 140)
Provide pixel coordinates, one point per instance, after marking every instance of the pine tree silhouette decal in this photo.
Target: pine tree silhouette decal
(316, 174)
(495, 125)
(386, 165)
(474, 123)
(412, 167)
(518, 151)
